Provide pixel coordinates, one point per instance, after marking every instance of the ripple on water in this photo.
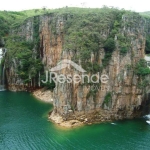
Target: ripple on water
(24, 125)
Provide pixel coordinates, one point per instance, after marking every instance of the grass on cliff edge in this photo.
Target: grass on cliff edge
(9, 19)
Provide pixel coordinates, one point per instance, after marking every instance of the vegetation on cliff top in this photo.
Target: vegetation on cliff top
(86, 31)
(145, 14)
(9, 19)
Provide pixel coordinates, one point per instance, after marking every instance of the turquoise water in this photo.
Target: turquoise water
(24, 126)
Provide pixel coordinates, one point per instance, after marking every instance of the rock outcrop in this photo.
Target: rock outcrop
(44, 95)
(120, 97)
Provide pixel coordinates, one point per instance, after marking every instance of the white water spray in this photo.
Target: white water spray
(2, 72)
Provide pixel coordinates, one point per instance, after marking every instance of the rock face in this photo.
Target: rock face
(119, 98)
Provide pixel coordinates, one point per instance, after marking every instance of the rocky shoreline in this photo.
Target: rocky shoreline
(78, 119)
(43, 95)
(47, 96)
(67, 124)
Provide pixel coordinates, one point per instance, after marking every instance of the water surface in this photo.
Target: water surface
(24, 126)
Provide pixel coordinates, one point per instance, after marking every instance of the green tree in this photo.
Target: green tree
(109, 45)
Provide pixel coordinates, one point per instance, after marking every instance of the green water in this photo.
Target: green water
(24, 126)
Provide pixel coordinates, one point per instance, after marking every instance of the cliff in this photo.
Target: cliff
(104, 41)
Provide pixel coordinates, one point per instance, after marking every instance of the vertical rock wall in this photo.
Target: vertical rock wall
(73, 101)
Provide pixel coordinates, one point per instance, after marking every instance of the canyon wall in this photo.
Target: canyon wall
(122, 96)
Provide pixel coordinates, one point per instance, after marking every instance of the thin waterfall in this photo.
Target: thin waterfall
(147, 117)
(39, 83)
(2, 74)
(3, 77)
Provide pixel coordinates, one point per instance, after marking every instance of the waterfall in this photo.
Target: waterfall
(147, 117)
(39, 83)
(2, 72)
(3, 76)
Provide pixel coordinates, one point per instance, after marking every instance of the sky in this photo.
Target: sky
(18, 5)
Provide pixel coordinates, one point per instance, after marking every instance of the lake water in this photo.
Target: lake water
(24, 126)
